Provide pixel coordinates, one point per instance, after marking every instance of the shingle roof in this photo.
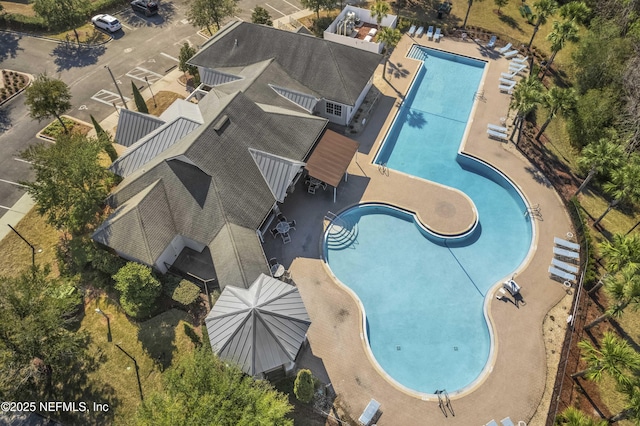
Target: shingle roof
(133, 125)
(258, 328)
(335, 71)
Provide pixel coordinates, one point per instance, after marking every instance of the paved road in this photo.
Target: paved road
(145, 47)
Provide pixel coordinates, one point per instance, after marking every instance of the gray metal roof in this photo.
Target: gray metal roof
(133, 125)
(277, 171)
(304, 101)
(334, 71)
(259, 328)
(151, 145)
(215, 78)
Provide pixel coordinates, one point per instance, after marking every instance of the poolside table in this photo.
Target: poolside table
(283, 227)
(277, 270)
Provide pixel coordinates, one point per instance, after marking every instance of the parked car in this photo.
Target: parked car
(145, 6)
(106, 22)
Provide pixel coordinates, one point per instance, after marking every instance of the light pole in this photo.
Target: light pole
(33, 249)
(117, 87)
(99, 311)
(152, 95)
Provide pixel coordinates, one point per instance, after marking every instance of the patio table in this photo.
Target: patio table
(277, 270)
(283, 227)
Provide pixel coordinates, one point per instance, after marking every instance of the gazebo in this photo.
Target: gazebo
(260, 328)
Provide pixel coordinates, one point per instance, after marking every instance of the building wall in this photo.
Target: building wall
(360, 100)
(344, 110)
(365, 16)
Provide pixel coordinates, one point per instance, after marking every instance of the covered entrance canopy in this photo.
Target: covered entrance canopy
(330, 159)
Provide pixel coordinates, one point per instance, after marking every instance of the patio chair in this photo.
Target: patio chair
(281, 218)
(566, 253)
(515, 68)
(505, 80)
(312, 188)
(274, 232)
(567, 244)
(292, 225)
(564, 265)
(372, 32)
(562, 274)
(509, 76)
(505, 48)
(437, 35)
(520, 60)
(412, 30)
(368, 38)
(507, 422)
(419, 32)
(430, 33)
(492, 42)
(508, 88)
(273, 262)
(497, 135)
(500, 129)
(511, 54)
(286, 238)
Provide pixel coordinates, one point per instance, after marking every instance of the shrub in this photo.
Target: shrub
(304, 386)
(182, 291)
(106, 262)
(138, 288)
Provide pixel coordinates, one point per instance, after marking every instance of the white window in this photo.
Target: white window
(334, 109)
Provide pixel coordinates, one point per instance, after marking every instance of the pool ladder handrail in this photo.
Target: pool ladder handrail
(383, 169)
(444, 402)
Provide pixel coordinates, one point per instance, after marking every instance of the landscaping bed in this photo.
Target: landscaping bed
(11, 83)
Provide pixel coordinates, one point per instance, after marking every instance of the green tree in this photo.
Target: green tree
(557, 101)
(62, 14)
(620, 251)
(631, 411)
(261, 15)
(141, 105)
(544, 9)
(48, 97)
(623, 185)
(304, 386)
(466, 16)
(597, 112)
(571, 416)
(105, 139)
(138, 289)
(390, 37)
(563, 32)
(202, 389)
(623, 289)
(614, 357)
(316, 5)
(204, 13)
(379, 10)
(70, 184)
(186, 52)
(37, 345)
(525, 99)
(576, 11)
(501, 4)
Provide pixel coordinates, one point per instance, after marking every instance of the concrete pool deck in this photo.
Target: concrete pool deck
(518, 376)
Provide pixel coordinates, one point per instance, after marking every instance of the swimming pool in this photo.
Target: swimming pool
(423, 295)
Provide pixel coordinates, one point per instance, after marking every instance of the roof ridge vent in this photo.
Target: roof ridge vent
(221, 124)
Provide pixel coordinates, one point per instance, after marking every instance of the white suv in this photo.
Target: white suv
(106, 22)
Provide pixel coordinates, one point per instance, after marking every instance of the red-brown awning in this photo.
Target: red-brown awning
(329, 161)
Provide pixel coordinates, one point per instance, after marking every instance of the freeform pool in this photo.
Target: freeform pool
(423, 295)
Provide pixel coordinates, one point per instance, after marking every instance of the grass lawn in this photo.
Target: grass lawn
(16, 254)
(155, 344)
(88, 34)
(19, 8)
(163, 100)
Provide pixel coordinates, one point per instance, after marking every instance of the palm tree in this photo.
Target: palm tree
(623, 289)
(390, 37)
(615, 357)
(632, 409)
(621, 251)
(599, 157)
(562, 33)
(576, 11)
(525, 99)
(623, 185)
(544, 8)
(469, 4)
(379, 10)
(557, 101)
(574, 417)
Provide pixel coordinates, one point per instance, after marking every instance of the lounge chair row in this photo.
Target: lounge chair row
(506, 422)
(502, 136)
(564, 249)
(430, 34)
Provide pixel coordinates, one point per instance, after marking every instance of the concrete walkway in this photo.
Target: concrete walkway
(516, 383)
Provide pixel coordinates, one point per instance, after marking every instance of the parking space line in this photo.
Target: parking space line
(292, 5)
(14, 183)
(109, 98)
(170, 57)
(144, 74)
(127, 27)
(267, 4)
(238, 18)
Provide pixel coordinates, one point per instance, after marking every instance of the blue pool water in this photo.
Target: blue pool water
(423, 295)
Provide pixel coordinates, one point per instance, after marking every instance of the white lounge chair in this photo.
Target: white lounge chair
(369, 412)
(505, 48)
(507, 422)
(508, 88)
(437, 35)
(492, 42)
(430, 33)
(562, 274)
(566, 253)
(515, 68)
(568, 244)
(492, 423)
(511, 286)
(511, 54)
(503, 80)
(497, 128)
(373, 32)
(520, 60)
(368, 38)
(497, 135)
(412, 30)
(564, 265)
(419, 32)
(511, 76)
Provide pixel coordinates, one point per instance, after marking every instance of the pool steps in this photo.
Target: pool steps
(341, 233)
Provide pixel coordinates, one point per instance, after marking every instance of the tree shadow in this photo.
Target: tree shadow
(416, 119)
(9, 45)
(397, 70)
(158, 336)
(5, 117)
(68, 55)
(538, 176)
(511, 22)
